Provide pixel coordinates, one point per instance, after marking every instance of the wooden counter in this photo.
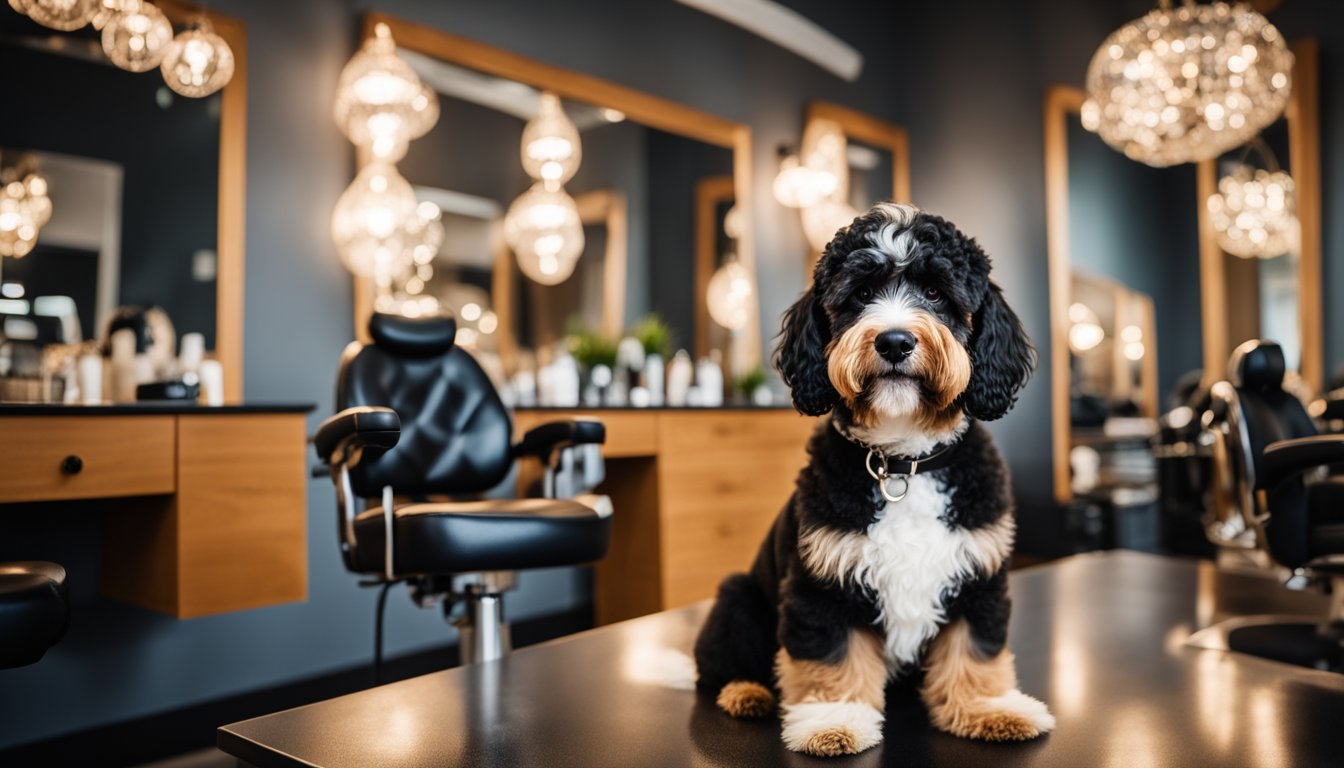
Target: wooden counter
(204, 509)
(694, 490)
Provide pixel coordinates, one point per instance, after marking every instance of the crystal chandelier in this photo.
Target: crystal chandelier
(373, 223)
(25, 208)
(381, 105)
(729, 296)
(198, 61)
(1254, 213)
(63, 15)
(542, 226)
(136, 35)
(1184, 85)
(818, 172)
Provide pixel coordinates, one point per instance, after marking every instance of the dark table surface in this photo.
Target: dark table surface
(1100, 638)
(149, 408)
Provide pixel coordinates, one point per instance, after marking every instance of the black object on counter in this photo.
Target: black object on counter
(175, 389)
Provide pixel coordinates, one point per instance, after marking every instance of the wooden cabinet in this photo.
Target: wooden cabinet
(695, 491)
(203, 510)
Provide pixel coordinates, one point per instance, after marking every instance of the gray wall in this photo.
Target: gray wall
(966, 78)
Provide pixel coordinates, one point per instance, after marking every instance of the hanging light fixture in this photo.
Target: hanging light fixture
(542, 225)
(25, 207)
(543, 229)
(373, 221)
(63, 15)
(1184, 85)
(730, 295)
(1254, 213)
(550, 149)
(1085, 331)
(136, 35)
(381, 105)
(198, 61)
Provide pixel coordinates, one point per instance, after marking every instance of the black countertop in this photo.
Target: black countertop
(148, 408)
(1098, 637)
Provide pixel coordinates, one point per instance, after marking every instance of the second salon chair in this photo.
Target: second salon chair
(420, 437)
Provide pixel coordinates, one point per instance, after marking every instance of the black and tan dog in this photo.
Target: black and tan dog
(890, 556)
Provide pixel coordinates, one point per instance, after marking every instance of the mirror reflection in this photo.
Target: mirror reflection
(639, 195)
(132, 222)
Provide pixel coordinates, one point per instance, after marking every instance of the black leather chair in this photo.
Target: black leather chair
(420, 419)
(34, 610)
(1273, 499)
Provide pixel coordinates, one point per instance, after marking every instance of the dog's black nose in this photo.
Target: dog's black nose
(894, 346)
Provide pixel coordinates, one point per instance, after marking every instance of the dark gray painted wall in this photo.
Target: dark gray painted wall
(967, 79)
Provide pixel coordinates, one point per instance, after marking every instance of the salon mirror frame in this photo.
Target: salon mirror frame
(640, 107)
(1064, 103)
(873, 131)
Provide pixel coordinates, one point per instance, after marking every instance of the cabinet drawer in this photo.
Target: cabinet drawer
(114, 456)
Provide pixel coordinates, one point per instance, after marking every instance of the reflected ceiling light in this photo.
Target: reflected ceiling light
(64, 15)
(550, 148)
(381, 105)
(1086, 332)
(25, 207)
(1254, 213)
(1131, 334)
(543, 228)
(1184, 85)
(821, 191)
(798, 185)
(198, 61)
(823, 220)
(1134, 350)
(730, 295)
(373, 221)
(789, 30)
(136, 35)
(613, 115)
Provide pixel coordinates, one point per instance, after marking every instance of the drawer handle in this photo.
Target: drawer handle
(72, 465)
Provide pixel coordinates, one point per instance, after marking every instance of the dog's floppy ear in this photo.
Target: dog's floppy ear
(1002, 358)
(800, 356)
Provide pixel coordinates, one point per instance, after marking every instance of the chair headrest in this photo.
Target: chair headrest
(1257, 364)
(413, 337)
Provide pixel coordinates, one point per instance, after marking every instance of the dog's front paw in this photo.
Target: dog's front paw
(1013, 716)
(744, 698)
(828, 728)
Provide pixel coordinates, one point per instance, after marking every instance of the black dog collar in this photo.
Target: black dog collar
(888, 469)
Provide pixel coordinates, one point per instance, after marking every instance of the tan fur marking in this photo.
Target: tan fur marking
(991, 545)
(832, 742)
(860, 676)
(852, 361)
(958, 685)
(745, 698)
(838, 555)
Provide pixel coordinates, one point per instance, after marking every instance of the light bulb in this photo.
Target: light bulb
(380, 102)
(799, 186)
(198, 62)
(137, 36)
(730, 295)
(543, 228)
(551, 150)
(1254, 213)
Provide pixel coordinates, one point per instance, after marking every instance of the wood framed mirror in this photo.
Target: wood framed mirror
(159, 220)
(877, 156)
(1158, 233)
(648, 261)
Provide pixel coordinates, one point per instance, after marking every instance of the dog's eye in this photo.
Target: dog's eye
(864, 294)
(933, 294)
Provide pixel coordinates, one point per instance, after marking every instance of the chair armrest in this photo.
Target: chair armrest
(542, 440)
(1288, 458)
(363, 427)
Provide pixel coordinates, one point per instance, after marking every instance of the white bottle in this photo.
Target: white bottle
(123, 368)
(90, 379)
(679, 375)
(212, 382)
(654, 379)
(709, 379)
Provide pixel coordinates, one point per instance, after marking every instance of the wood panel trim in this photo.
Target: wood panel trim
(1304, 158)
(1061, 102)
(1212, 277)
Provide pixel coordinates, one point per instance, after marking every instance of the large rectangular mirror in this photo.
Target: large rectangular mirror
(153, 221)
(653, 189)
(1120, 232)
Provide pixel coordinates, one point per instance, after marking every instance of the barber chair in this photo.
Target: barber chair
(34, 611)
(1183, 453)
(420, 419)
(1274, 503)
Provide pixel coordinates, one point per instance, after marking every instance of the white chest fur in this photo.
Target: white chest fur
(909, 558)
